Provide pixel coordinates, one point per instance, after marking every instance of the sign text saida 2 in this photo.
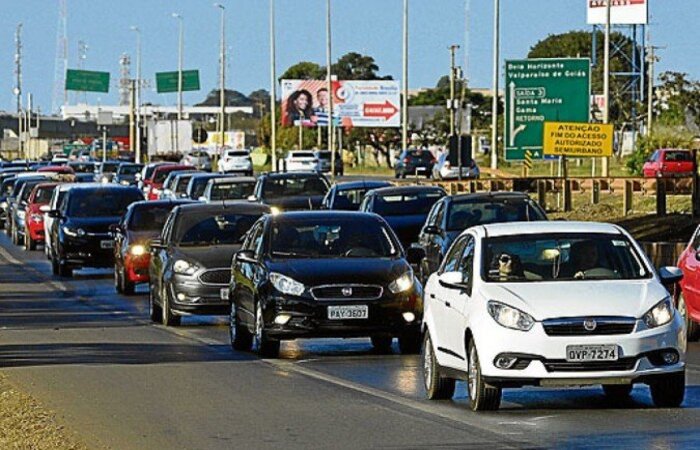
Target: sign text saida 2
(578, 139)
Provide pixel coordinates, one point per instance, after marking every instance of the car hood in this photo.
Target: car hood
(208, 257)
(549, 300)
(315, 272)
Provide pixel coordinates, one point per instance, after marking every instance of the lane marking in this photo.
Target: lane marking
(57, 285)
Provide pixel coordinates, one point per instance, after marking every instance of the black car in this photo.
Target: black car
(348, 196)
(80, 233)
(190, 267)
(198, 182)
(323, 274)
(291, 191)
(455, 213)
(127, 174)
(414, 162)
(404, 208)
(83, 167)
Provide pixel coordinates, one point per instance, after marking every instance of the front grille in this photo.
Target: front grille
(347, 292)
(590, 366)
(576, 326)
(216, 276)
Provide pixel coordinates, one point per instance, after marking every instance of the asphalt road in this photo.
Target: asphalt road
(118, 381)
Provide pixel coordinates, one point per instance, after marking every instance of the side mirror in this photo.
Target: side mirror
(44, 208)
(670, 275)
(432, 229)
(453, 280)
(247, 256)
(415, 255)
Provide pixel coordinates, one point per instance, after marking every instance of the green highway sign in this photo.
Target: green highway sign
(87, 80)
(539, 91)
(167, 81)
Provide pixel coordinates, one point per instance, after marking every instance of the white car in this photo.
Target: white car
(551, 304)
(229, 188)
(199, 159)
(302, 161)
(238, 161)
(59, 193)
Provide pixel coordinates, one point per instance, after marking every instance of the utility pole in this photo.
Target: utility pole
(331, 136)
(179, 78)
(494, 101)
(606, 81)
(18, 85)
(453, 78)
(137, 145)
(132, 105)
(404, 100)
(273, 89)
(222, 86)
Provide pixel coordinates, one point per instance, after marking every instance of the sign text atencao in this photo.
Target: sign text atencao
(578, 139)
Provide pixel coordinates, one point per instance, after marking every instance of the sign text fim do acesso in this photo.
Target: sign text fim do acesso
(578, 139)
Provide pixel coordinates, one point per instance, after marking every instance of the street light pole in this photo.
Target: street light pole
(404, 100)
(453, 73)
(138, 94)
(273, 89)
(606, 80)
(179, 64)
(331, 136)
(222, 88)
(494, 103)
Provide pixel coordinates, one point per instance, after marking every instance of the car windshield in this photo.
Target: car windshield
(27, 190)
(561, 257)
(356, 237)
(218, 229)
(463, 215)
(149, 218)
(7, 187)
(180, 186)
(161, 175)
(43, 195)
(232, 191)
(101, 202)
(349, 198)
(82, 167)
(109, 167)
(128, 169)
(410, 203)
(291, 187)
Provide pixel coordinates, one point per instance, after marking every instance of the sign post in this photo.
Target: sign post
(541, 90)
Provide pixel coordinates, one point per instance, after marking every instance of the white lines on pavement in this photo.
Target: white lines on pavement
(12, 260)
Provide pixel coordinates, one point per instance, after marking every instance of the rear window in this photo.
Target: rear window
(468, 214)
(161, 175)
(237, 154)
(292, 187)
(232, 191)
(423, 155)
(677, 156)
(110, 167)
(406, 204)
(302, 154)
(126, 169)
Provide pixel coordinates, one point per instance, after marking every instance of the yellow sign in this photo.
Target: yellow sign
(578, 139)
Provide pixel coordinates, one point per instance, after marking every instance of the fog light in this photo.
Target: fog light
(670, 357)
(505, 362)
(409, 317)
(282, 319)
(182, 297)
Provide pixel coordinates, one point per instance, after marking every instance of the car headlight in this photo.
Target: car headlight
(660, 314)
(3, 205)
(184, 267)
(21, 214)
(74, 232)
(286, 285)
(402, 283)
(124, 182)
(275, 210)
(510, 317)
(104, 180)
(138, 250)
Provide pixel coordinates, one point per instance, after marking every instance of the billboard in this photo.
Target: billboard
(622, 12)
(356, 103)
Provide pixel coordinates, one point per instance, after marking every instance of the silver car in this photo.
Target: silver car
(443, 170)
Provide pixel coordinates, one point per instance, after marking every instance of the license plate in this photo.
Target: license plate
(106, 244)
(224, 293)
(591, 353)
(348, 312)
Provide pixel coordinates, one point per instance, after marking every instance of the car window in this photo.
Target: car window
(466, 265)
(695, 242)
(406, 204)
(452, 260)
(231, 191)
(290, 187)
(349, 198)
(43, 195)
(148, 218)
(677, 156)
(440, 215)
(430, 220)
(302, 154)
(463, 215)
(101, 202)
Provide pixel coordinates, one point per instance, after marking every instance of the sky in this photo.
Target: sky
(371, 27)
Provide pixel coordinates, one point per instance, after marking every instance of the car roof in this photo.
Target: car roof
(301, 215)
(107, 186)
(211, 175)
(283, 175)
(395, 190)
(487, 196)
(161, 203)
(232, 180)
(347, 185)
(554, 227)
(236, 207)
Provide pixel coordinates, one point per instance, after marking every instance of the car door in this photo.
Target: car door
(247, 274)
(691, 270)
(159, 258)
(443, 313)
(437, 239)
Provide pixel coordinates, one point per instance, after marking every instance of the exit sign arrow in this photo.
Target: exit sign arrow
(384, 110)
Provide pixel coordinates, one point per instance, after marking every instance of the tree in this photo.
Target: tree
(354, 66)
(678, 100)
(304, 70)
(231, 98)
(261, 102)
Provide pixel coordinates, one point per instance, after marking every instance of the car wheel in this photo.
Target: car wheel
(410, 343)
(692, 327)
(154, 310)
(29, 243)
(436, 386)
(128, 287)
(266, 347)
(15, 237)
(617, 392)
(167, 317)
(117, 280)
(54, 266)
(64, 270)
(241, 339)
(397, 175)
(668, 391)
(382, 343)
(482, 396)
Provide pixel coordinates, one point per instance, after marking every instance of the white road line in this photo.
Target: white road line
(57, 285)
(11, 259)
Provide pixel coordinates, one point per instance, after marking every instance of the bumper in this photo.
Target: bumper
(36, 231)
(639, 355)
(454, 173)
(136, 268)
(309, 318)
(190, 296)
(87, 251)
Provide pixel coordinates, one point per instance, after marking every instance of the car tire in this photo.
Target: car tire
(168, 319)
(15, 237)
(397, 175)
(54, 266)
(241, 339)
(617, 392)
(382, 343)
(264, 346)
(128, 287)
(64, 270)
(154, 310)
(29, 243)
(668, 391)
(692, 327)
(436, 386)
(410, 343)
(482, 396)
(117, 280)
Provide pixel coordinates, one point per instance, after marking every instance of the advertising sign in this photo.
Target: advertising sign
(622, 12)
(542, 90)
(578, 139)
(356, 103)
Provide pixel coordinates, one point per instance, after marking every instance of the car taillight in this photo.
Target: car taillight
(406, 160)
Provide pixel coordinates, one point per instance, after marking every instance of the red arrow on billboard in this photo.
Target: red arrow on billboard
(386, 110)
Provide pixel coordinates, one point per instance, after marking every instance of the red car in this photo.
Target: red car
(61, 170)
(669, 163)
(34, 222)
(142, 222)
(160, 173)
(689, 295)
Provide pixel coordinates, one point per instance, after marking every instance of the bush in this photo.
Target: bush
(662, 137)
